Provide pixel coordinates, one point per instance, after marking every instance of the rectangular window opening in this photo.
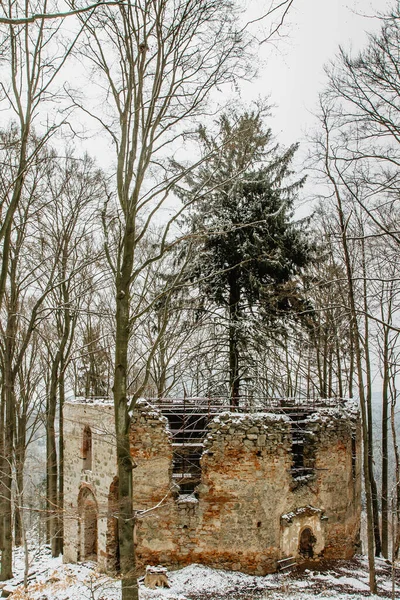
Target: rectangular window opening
(353, 455)
(302, 450)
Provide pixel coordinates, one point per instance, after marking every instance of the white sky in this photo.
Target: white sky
(293, 70)
(292, 74)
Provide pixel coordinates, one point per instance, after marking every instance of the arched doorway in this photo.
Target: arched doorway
(87, 507)
(112, 542)
(306, 543)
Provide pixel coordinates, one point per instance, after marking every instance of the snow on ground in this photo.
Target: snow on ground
(49, 579)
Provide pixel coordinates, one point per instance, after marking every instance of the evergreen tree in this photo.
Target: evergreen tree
(250, 249)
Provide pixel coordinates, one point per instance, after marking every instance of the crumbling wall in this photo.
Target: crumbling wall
(333, 487)
(245, 484)
(80, 482)
(236, 519)
(338, 483)
(252, 507)
(245, 479)
(151, 449)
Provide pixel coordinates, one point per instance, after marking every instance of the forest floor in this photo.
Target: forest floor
(49, 579)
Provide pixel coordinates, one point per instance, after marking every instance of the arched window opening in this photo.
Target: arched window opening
(306, 543)
(87, 449)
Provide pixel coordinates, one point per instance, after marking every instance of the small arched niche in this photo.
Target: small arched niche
(87, 448)
(303, 533)
(306, 543)
(88, 514)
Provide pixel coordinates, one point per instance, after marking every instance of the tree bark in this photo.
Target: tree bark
(20, 447)
(51, 458)
(396, 533)
(234, 323)
(6, 555)
(368, 400)
(385, 462)
(123, 422)
(59, 545)
(356, 337)
(9, 431)
(2, 459)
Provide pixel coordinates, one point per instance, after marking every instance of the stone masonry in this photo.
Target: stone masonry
(252, 508)
(86, 491)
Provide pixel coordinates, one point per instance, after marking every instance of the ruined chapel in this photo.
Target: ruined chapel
(254, 490)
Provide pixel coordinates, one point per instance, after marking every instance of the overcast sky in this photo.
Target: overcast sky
(293, 69)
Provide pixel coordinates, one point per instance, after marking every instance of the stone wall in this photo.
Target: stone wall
(151, 448)
(334, 488)
(251, 508)
(338, 485)
(247, 485)
(85, 489)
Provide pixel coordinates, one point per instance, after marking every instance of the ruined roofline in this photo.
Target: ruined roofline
(292, 405)
(207, 405)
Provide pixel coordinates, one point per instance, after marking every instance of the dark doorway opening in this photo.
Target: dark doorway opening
(88, 525)
(307, 542)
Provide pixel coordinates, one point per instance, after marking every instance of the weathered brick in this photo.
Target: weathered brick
(250, 511)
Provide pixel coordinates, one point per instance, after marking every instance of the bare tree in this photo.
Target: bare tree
(157, 63)
(35, 56)
(331, 167)
(67, 232)
(362, 107)
(23, 310)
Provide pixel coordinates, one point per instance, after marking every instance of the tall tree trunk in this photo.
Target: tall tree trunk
(396, 533)
(55, 474)
(351, 364)
(234, 322)
(317, 343)
(51, 458)
(368, 400)
(162, 378)
(2, 460)
(385, 462)
(9, 390)
(325, 367)
(9, 433)
(122, 423)
(365, 435)
(355, 333)
(6, 555)
(20, 446)
(59, 545)
(339, 369)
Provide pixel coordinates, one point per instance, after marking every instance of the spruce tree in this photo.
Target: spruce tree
(250, 247)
